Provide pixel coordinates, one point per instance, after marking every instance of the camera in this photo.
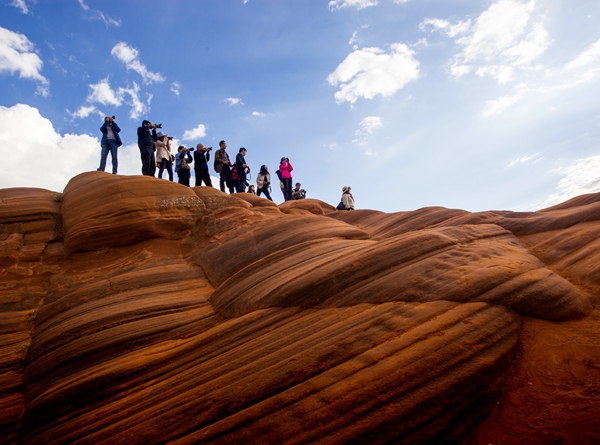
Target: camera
(190, 149)
(208, 148)
(158, 125)
(170, 138)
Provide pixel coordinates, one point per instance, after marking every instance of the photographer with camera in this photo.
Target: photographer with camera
(242, 170)
(285, 169)
(263, 181)
(182, 164)
(110, 142)
(201, 158)
(298, 193)
(223, 168)
(146, 142)
(163, 155)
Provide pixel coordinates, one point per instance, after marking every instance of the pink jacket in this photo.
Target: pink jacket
(286, 170)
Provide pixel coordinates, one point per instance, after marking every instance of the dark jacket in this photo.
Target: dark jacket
(239, 164)
(145, 137)
(116, 131)
(201, 160)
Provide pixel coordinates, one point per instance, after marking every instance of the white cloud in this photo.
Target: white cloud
(258, 114)
(503, 39)
(370, 124)
(176, 87)
(371, 71)
(42, 149)
(498, 105)
(195, 133)
(83, 112)
(232, 101)
(130, 56)
(335, 5)
(17, 55)
(20, 4)
(580, 178)
(444, 25)
(103, 93)
(587, 57)
(99, 15)
(526, 159)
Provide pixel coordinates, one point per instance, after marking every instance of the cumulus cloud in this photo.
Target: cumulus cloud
(335, 5)
(52, 159)
(130, 57)
(17, 55)
(104, 94)
(369, 72)
(195, 133)
(580, 178)
(232, 101)
(258, 114)
(20, 4)
(176, 87)
(503, 39)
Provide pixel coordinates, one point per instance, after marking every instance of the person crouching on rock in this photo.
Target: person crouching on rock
(298, 193)
(263, 181)
(182, 164)
(163, 155)
(347, 202)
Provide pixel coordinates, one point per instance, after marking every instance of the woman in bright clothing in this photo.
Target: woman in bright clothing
(347, 202)
(286, 177)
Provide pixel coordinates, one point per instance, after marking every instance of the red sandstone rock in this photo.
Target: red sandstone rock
(180, 315)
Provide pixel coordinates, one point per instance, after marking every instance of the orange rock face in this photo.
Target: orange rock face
(135, 310)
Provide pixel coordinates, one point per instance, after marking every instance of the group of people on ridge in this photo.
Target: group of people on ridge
(155, 152)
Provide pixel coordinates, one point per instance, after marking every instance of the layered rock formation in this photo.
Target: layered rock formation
(135, 310)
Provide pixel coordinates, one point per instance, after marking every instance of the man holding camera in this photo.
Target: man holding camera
(182, 164)
(242, 169)
(201, 158)
(110, 142)
(146, 137)
(298, 193)
(223, 167)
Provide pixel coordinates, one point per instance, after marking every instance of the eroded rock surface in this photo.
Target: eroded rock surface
(135, 310)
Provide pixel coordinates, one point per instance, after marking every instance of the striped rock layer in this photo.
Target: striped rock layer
(140, 311)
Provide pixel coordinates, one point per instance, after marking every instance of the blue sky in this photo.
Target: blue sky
(463, 104)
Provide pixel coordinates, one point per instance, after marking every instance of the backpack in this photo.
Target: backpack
(234, 174)
(279, 174)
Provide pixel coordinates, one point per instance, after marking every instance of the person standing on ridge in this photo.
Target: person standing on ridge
(146, 138)
(163, 155)
(201, 158)
(242, 168)
(110, 142)
(223, 168)
(286, 177)
(182, 165)
(263, 181)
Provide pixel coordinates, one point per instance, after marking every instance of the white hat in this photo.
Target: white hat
(160, 135)
(346, 188)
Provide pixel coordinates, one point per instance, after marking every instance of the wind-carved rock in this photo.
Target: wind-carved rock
(178, 315)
